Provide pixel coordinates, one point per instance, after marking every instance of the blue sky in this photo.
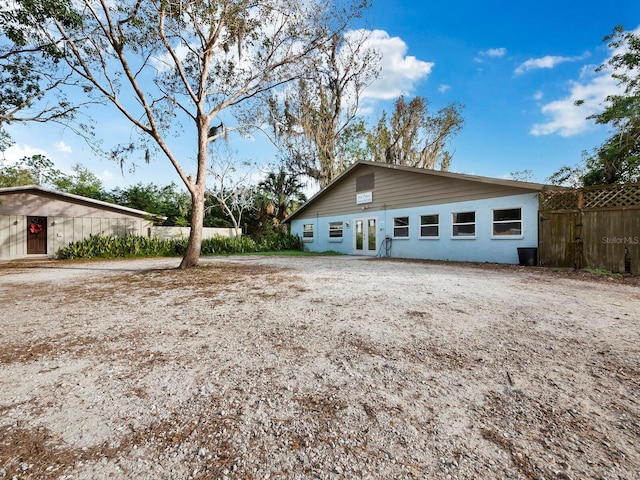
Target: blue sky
(517, 67)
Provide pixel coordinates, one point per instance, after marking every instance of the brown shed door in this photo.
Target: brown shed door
(36, 235)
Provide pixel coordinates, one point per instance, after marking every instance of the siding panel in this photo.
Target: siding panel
(403, 189)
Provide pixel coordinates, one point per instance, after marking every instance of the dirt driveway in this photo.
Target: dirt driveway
(315, 367)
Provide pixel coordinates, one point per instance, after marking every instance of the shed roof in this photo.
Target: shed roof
(524, 186)
(70, 197)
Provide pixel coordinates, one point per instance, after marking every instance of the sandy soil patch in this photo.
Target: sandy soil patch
(315, 367)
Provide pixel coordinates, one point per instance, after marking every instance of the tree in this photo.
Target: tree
(34, 170)
(525, 175)
(16, 176)
(189, 65)
(314, 121)
(32, 75)
(82, 182)
(164, 201)
(231, 190)
(283, 191)
(414, 138)
(617, 160)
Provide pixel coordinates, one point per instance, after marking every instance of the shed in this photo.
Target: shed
(405, 212)
(36, 221)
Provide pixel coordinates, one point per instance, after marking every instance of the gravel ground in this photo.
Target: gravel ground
(316, 367)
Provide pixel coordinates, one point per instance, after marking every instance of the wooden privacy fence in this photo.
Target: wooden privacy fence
(596, 227)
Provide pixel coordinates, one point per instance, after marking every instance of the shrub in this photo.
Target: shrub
(100, 246)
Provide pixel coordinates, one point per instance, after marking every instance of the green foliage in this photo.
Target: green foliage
(165, 201)
(14, 176)
(283, 192)
(132, 246)
(99, 246)
(82, 182)
(30, 66)
(617, 160)
(602, 271)
(34, 170)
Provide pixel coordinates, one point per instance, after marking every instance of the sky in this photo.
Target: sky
(517, 67)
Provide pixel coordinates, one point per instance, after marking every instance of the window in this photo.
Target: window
(335, 231)
(464, 224)
(507, 222)
(401, 227)
(307, 232)
(430, 226)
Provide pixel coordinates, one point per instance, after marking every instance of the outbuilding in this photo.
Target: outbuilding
(405, 212)
(37, 222)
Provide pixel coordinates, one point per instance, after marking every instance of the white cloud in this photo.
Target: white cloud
(538, 95)
(491, 53)
(549, 61)
(443, 88)
(17, 152)
(62, 147)
(399, 73)
(494, 52)
(567, 119)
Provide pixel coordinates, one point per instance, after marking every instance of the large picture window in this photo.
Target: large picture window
(307, 232)
(430, 226)
(507, 222)
(464, 224)
(401, 227)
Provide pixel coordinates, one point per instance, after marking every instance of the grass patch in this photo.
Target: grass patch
(602, 271)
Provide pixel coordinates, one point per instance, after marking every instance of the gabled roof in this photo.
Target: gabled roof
(38, 190)
(525, 186)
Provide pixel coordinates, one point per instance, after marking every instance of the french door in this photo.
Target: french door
(365, 239)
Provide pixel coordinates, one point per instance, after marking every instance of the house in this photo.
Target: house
(36, 221)
(392, 210)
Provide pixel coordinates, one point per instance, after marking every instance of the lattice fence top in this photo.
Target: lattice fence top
(608, 196)
(619, 196)
(559, 200)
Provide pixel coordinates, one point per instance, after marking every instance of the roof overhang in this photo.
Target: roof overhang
(530, 186)
(36, 189)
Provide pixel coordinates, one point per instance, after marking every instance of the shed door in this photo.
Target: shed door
(36, 235)
(558, 239)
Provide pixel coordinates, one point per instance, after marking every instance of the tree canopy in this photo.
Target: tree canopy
(32, 76)
(413, 137)
(617, 160)
(315, 119)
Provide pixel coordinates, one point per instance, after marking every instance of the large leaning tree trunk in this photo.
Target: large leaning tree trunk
(174, 69)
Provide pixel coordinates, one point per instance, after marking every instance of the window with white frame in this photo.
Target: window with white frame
(401, 227)
(307, 232)
(335, 231)
(464, 224)
(430, 226)
(507, 222)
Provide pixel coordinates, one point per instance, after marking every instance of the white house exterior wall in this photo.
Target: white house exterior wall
(484, 247)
